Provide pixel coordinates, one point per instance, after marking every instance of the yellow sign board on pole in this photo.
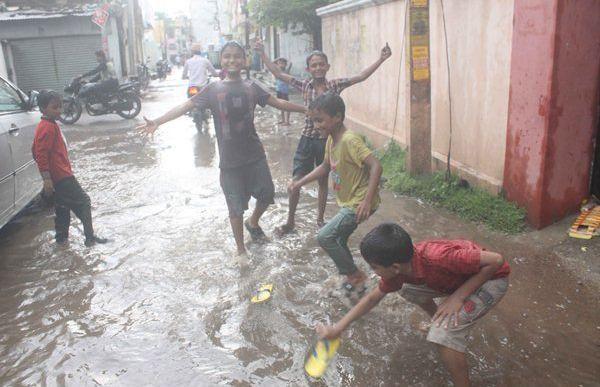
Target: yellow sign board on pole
(420, 58)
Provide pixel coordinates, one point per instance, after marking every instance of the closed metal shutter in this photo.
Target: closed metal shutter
(50, 63)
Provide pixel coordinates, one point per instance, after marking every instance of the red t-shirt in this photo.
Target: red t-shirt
(50, 151)
(442, 265)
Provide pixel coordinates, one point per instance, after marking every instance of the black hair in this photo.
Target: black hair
(232, 43)
(316, 53)
(101, 54)
(45, 97)
(329, 103)
(387, 244)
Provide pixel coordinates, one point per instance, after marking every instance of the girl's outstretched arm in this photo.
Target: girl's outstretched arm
(150, 126)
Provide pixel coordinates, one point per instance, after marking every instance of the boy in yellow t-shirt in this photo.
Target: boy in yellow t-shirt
(355, 173)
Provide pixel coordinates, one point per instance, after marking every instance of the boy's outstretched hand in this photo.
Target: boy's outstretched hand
(293, 187)
(363, 211)
(259, 47)
(147, 128)
(328, 331)
(386, 52)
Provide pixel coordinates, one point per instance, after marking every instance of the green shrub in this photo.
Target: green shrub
(473, 204)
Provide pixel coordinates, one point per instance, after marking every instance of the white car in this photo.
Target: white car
(20, 180)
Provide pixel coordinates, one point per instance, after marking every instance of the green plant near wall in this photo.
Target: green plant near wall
(469, 203)
(299, 14)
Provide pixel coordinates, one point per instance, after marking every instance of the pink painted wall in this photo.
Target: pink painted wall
(553, 106)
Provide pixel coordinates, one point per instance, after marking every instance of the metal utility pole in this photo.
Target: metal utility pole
(419, 138)
(131, 36)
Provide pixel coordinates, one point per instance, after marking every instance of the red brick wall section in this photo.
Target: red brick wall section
(553, 106)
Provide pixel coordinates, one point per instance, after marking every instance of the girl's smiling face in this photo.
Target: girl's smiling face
(233, 59)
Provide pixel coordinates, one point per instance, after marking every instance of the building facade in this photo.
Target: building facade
(524, 85)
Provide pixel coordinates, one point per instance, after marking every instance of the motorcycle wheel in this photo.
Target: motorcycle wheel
(71, 111)
(136, 104)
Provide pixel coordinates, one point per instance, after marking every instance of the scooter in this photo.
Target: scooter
(200, 117)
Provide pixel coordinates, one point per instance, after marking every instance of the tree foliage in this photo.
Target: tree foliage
(300, 14)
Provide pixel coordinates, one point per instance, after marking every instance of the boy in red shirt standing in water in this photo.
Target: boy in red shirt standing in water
(50, 153)
(471, 281)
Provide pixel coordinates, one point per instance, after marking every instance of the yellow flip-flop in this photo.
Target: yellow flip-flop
(320, 356)
(262, 294)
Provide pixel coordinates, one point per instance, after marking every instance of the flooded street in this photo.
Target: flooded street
(167, 304)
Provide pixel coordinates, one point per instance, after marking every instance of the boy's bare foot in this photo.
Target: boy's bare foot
(284, 229)
(242, 257)
(280, 122)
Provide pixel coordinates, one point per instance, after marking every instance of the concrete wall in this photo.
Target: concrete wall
(353, 40)
(479, 38)
(553, 106)
(479, 42)
(295, 48)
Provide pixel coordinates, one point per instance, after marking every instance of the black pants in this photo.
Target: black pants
(69, 196)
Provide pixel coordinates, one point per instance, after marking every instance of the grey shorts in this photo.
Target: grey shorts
(474, 307)
(240, 183)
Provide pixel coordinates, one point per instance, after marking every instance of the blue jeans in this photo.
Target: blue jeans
(333, 238)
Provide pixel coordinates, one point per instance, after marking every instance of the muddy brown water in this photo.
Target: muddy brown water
(166, 303)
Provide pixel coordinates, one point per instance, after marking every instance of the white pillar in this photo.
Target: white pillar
(3, 68)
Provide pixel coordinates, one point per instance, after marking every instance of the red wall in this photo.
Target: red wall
(553, 106)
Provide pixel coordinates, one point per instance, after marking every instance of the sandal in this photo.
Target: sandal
(262, 294)
(256, 233)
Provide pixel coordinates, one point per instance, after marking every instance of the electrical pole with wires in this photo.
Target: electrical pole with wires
(419, 135)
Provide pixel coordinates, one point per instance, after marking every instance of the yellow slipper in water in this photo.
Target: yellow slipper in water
(262, 294)
(320, 356)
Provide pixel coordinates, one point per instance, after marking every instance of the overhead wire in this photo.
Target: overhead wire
(400, 69)
(448, 172)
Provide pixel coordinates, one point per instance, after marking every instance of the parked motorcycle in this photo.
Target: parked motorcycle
(162, 69)
(143, 76)
(123, 101)
(200, 117)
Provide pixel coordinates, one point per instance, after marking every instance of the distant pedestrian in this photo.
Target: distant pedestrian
(243, 163)
(470, 279)
(283, 89)
(355, 174)
(50, 153)
(311, 147)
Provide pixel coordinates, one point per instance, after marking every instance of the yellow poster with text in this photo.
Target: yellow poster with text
(420, 61)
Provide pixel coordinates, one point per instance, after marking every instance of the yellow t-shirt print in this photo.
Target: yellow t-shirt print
(349, 173)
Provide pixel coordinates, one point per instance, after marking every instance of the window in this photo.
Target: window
(9, 98)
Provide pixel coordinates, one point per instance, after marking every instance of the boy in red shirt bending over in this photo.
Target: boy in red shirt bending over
(471, 280)
(50, 153)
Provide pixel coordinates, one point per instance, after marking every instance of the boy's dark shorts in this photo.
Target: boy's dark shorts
(284, 96)
(309, 155)
(248, 180)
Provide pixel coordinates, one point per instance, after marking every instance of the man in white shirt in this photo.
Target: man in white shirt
(197, 68)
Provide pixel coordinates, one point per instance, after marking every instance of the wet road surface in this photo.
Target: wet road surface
(167, 304)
